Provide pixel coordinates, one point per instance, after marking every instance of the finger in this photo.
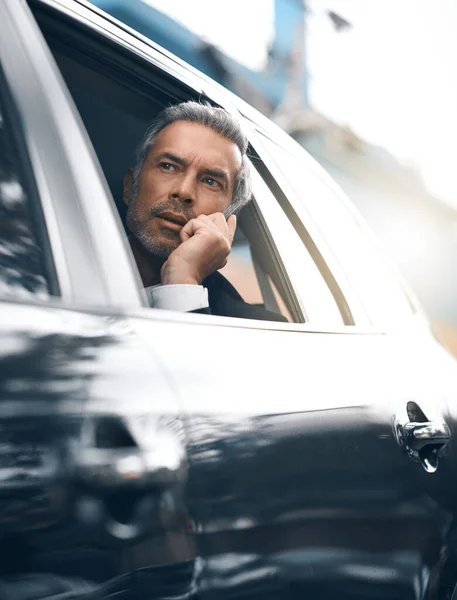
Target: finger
(192, 226)
(231, 227)
(204, 218)
(206, 221)
(216, 221)
(219, 221)
(215, 217)
(189, 230)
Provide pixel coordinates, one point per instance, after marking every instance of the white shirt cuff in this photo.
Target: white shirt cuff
(182, 297)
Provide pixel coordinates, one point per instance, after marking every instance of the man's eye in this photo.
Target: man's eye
(167, 166)
(211, 182)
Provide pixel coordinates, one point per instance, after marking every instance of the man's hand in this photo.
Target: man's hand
(205, 245)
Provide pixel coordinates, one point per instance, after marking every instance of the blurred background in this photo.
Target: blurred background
(368, 88)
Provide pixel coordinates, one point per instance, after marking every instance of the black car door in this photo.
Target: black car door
(298, 485)
(92, 448)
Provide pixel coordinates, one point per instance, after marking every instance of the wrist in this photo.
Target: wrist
(180, 281)
(172, 276)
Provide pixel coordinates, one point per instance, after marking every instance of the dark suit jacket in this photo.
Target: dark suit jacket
(225, 301)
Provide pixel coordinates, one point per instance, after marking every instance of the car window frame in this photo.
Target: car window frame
(65, 169)
(123, 39)
(195, 91)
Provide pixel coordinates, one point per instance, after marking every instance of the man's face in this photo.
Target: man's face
(188, 172)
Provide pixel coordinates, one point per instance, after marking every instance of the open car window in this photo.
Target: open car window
(117, 98)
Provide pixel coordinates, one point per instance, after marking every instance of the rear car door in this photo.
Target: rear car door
(92, 448)
(298, 483)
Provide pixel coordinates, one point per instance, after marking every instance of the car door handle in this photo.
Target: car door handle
(423, 441)
(420, 435)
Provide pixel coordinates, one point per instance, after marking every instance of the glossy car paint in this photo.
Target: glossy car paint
(93, 460)
(151, 454)
(298, 485)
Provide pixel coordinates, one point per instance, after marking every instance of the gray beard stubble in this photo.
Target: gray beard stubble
(138, 228)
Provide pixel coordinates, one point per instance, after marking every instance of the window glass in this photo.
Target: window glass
(316, 301)
(240, 270)
(22, 265)
(250, 279)
(352, 245)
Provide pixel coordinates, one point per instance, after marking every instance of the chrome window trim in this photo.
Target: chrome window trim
(417, 326)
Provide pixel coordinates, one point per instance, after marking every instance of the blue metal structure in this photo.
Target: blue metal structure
(171, 35)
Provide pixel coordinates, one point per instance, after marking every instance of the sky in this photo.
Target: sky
(391, 78)
(242, 31)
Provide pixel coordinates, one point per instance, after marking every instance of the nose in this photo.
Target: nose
(185, 189)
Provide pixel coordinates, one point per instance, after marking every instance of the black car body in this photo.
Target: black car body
(152, 454)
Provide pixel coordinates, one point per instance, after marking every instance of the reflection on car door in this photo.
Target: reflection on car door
(92, 449)
(93, 461)
(297, 483)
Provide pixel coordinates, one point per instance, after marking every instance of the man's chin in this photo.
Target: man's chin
(156, 241)
(157, 249)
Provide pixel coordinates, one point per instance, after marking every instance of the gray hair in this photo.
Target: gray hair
(217, 119)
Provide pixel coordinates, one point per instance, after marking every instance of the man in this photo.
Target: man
(191, 167)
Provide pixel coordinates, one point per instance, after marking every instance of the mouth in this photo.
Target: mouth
(172, 221)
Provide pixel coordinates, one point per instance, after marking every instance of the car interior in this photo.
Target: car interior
(117, 97)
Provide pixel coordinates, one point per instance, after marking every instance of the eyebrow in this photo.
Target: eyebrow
(173, 157)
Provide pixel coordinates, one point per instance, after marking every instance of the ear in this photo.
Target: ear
(128, 178)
